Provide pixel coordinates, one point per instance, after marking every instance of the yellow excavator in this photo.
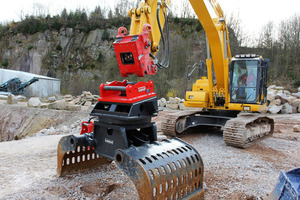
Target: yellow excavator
(120, 128)
(231, 85)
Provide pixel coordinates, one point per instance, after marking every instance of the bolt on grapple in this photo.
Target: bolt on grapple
(122, 131)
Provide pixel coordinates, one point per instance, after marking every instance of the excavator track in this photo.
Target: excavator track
(168, 125)
(246, 128)
(240, 131)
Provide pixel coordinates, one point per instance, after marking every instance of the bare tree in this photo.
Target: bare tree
(186, 9)
(234, 23)
(266, 38)
(123, 6)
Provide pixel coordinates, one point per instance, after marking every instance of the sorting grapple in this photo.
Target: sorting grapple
(122, 131)
(171, 169)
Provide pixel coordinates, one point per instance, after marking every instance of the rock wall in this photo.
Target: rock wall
(41, 52)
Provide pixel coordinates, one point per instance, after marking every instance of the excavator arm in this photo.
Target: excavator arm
(151, 12)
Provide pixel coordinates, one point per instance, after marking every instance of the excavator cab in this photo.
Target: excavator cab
(248, 79)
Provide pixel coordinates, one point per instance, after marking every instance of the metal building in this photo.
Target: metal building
(45, 87)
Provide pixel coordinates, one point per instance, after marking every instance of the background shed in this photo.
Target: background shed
(46, 86)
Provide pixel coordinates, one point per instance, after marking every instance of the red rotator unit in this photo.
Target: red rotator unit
(132, 53)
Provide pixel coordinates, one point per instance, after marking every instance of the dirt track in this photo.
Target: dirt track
(28, 167)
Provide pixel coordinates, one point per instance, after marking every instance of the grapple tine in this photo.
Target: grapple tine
(73, 157)
(171, 169)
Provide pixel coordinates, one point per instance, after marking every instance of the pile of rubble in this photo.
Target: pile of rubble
(174, 103)
(279, 101)
(283, 101)
(85, 99)
(84, 102)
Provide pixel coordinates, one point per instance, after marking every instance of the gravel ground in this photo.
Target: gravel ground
(28, 167)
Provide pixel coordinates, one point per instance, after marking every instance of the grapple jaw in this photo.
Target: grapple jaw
(171, 169)
(73, 155)
(123, 131)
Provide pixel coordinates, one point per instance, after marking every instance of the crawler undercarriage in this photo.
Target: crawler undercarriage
(239, 131)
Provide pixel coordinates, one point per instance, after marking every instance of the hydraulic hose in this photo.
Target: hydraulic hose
(162, 36)
(168, 41)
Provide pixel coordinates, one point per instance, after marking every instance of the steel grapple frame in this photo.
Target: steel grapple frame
(122, 131)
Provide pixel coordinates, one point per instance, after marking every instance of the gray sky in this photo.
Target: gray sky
(253, 14)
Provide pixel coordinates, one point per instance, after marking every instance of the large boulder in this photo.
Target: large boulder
(34, 102)
(163, 102)
(21, 98)
(3, 97)
(52, 99)
(297, 95)
(58, 105)
(298, 89)
(271, 87)
(68, 98)
(172, 106)
(295, 109)
(276, 102)
(274, 109)
(287, 109)
(12, 99)
(296, 128)
(279, 88)
(73, 107)
(296, 103)
(183, 107)
(282, 97)
(159, 103)
(271, 95)
(291, 99)
(175, 100)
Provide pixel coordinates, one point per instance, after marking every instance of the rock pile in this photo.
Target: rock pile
(174, 103)
(68, 102)
(279, 101)
(283, 101)
(86, 99)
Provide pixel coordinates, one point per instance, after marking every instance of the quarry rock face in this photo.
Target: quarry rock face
(42, 51)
